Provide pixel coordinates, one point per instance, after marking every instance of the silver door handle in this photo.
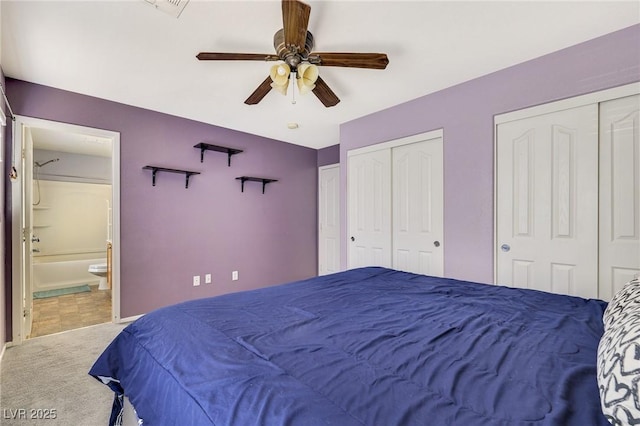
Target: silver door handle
(505, 247)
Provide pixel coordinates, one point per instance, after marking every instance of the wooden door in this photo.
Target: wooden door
(27, 231)
(328, 219)
(417, 190)
(547, 202)
(619, 246)
(369, 209)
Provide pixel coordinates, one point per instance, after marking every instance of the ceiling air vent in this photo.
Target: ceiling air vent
(171, 7)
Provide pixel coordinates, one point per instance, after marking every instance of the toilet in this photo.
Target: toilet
(100, 270)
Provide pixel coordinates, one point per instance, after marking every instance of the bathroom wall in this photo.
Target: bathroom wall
(466, 113)
(72, 167)
(72, 197)
(169, 233)
(71, 219)
(71, 208)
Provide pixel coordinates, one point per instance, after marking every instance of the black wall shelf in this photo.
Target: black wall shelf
(209, 147)
(264, 181)
(156, 169)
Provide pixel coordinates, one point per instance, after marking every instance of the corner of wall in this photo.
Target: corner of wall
(328, 155)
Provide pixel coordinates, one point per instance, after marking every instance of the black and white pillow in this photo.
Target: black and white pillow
(619, 357)
(627, 297)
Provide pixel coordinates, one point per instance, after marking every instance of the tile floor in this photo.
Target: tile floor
(62, 313)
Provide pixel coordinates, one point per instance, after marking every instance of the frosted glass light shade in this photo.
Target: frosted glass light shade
(307, 76)
(280, 77)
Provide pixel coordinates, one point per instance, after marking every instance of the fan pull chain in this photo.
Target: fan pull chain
(293, 89)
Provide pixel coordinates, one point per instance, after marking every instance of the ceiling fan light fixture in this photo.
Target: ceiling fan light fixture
(280, 89)
(307, 76)
(294, 47)
(279, 74)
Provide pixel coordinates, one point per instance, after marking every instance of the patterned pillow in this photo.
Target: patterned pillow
(628, 296)
(619, 357)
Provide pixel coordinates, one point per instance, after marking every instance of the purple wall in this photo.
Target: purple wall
(466, 112)
(169, 233)
(329, 155)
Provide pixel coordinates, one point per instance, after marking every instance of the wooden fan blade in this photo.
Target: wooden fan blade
(325, 94)
(377, 61)
(260, 92)
(217, 56)
(295, 19)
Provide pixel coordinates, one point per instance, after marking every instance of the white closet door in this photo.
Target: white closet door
(369, 205)
(619, 193)
(328, 220)
(547, 202)
(418, 207)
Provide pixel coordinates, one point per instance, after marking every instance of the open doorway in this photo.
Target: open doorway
(65, 228)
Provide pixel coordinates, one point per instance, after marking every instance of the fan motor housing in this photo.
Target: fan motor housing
(292, 55)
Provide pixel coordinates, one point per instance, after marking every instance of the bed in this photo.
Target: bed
(369, 346)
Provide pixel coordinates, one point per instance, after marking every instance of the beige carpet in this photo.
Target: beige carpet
(50, 373)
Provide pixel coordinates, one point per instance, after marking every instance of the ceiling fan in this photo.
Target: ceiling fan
(293, 44)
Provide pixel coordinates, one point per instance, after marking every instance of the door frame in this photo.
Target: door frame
(432, 134)
(17, 209)
(569, 103)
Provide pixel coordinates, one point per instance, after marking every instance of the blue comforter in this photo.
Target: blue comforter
(370, 346)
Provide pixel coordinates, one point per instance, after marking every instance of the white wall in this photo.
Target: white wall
(71, 218)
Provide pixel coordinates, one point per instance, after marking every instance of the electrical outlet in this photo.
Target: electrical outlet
(196, 280)
(234, 276)
(207, 279)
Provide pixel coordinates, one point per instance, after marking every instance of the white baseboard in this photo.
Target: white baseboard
(4, 346)
(130, 319)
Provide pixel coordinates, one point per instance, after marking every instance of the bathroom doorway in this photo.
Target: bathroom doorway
(65, 239)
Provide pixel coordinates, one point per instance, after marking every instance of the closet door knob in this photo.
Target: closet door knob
(353, 238)
(436, 243)
(505, 247)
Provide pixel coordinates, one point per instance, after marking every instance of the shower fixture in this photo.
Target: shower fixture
(46, 162)
(36, 167)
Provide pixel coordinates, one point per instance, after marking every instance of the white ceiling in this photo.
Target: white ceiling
(129, 52)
